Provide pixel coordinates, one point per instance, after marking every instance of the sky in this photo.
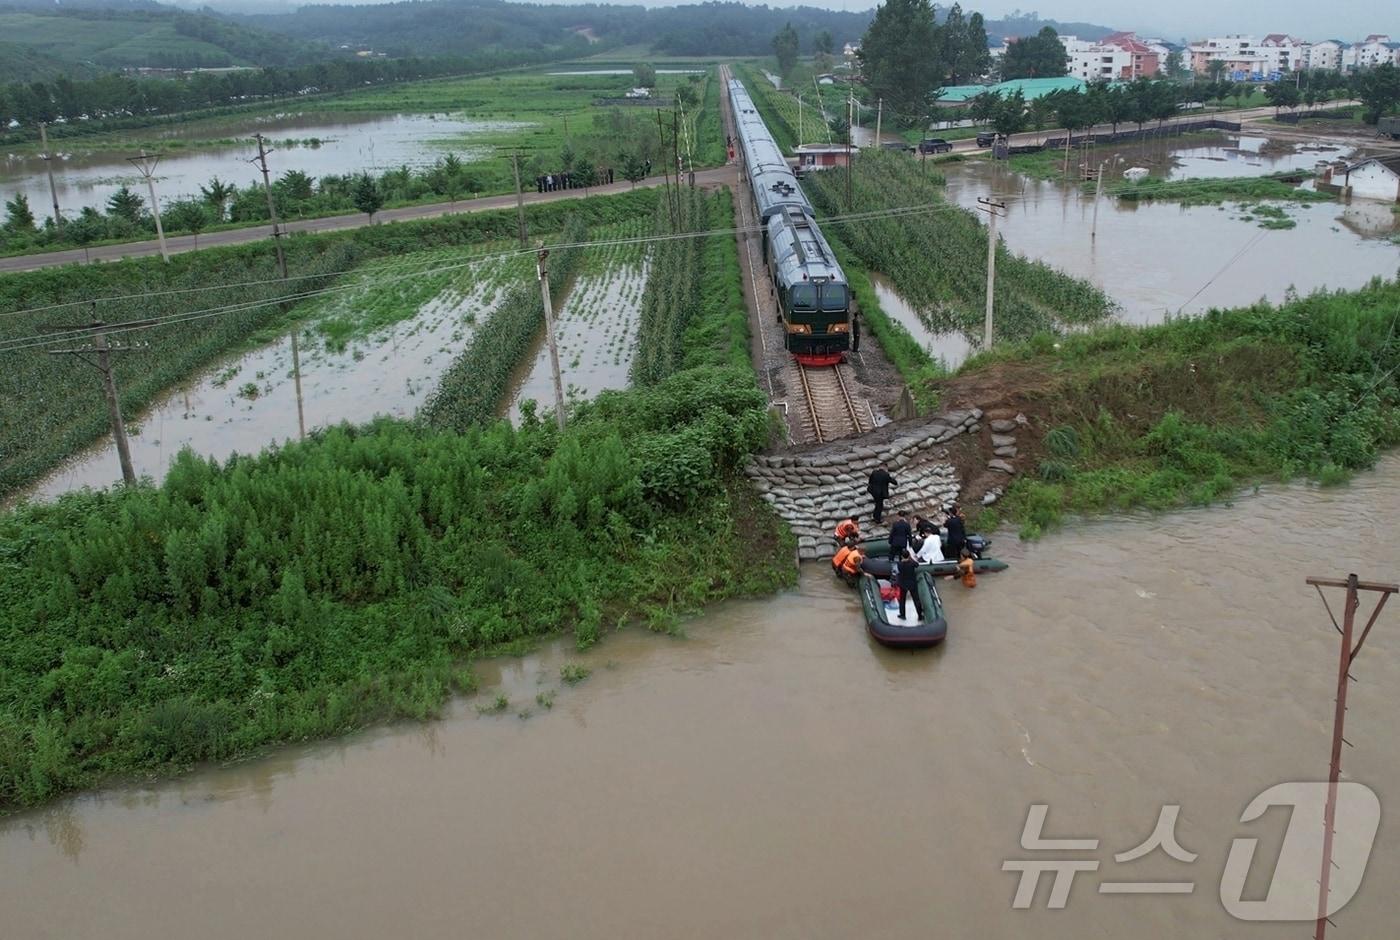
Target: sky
(1192, 19)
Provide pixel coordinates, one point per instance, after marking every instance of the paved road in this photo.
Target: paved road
(713, 177)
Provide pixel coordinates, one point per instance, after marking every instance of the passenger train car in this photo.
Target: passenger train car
(814, 300)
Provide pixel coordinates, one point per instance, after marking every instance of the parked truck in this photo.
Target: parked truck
(1389, 127)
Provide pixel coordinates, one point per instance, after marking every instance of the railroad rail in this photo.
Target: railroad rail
(831, 412)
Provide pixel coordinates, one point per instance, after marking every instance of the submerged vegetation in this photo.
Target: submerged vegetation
(1186, 412)
(1196, 192)
(54, 405)
(929, 254)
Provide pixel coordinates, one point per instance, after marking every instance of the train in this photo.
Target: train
(814, 297)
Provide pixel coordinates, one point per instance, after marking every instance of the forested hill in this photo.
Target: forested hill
(458, 27)
(77, 41)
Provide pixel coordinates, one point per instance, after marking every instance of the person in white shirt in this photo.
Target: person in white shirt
(929, 551)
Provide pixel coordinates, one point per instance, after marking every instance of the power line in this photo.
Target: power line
(26, 342)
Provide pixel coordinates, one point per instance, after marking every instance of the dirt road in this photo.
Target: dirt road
(335, 223)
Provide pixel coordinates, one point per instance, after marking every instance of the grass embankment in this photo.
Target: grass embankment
(1187, 412)
(54, 405)
(1050, 164)
(929, 254)
(1204, 192)
(779, 110)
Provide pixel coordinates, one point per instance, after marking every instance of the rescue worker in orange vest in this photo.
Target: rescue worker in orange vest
(851, 566)
(848, 529)
(838, 560)
(966, 569)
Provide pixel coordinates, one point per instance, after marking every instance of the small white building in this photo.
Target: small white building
(1372, 178)
(1327, 55)
(1374, 50)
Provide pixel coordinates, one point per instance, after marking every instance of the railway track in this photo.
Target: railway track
(831, 411)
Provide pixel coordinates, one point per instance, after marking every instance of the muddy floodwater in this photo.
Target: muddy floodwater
(1160, 258)
(775, 774)
(316, 144)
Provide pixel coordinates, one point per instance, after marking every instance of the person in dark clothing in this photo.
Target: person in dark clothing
(925, 527)
(855, 331)
(957, 533)
(899, 536)
(908, 582)
(539, 184)
(879, 489)
(610, 178)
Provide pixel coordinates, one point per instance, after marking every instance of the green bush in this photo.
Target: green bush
(348, 578)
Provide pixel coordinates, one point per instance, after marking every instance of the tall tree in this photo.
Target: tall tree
(18, 216)
(367, 196)
(1379, 91)
(785, 47)
(899, 56)
(822, 43)
(217, 194)
(1038, 56)
(644, 74)
(125, 204)
(1173, 65)
(1215, 68)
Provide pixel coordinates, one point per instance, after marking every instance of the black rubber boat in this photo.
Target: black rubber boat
(877, 560)
(886, 625)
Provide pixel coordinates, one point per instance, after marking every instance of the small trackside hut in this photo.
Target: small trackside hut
(814, 299)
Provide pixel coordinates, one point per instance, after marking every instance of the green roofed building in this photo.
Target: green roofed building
(956, 95)
(1033, 88)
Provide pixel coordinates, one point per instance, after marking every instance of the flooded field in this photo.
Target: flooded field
(316, 144)
(595, 330)
(1160, 259)
(777, 774)
(359, 359)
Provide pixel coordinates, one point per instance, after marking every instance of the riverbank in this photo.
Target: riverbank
(1190, 411)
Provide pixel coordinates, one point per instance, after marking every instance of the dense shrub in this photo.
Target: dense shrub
(346, 578)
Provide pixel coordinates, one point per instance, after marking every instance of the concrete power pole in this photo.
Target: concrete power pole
(1348, 655)
(993, 209)
(148, 171)
(103, 364)
(879, 119)
(799, 121)
(542, 268)
(261, 161)
(850, 114)
(48, 166)
(519, 199)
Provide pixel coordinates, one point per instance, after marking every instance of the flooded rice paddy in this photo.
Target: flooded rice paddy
(1160, 259)
(776, 774)
(595, 328)
(376, 348)
(316, 144)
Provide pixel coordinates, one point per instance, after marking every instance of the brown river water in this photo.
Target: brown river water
(776, 774)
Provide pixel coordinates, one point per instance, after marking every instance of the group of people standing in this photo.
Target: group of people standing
(911, 544)
(552, 182)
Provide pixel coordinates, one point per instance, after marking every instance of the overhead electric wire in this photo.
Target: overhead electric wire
(17, 344)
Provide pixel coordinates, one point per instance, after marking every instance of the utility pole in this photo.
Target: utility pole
(148, 171)
(1348, 655)
(993, 209)
(543, 269)
(261, 161)
(850, 108)
(103, 364)
(1098, 191)
(48, 165)
(799, 120)
(519, 199)
(665, 173)
(879, 119)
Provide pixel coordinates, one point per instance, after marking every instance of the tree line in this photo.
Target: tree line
(906, 54)
(116, 98)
